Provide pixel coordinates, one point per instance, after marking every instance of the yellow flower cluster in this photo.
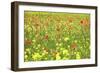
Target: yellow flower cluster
(36, 56)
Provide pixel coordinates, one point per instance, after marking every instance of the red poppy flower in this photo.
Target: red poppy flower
(70, 20)
(46, 37)
(84, 22)
(28, 42)
(73, 45)
(81, 22)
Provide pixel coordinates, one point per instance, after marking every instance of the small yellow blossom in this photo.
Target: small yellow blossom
(59, 39)
(45, 52)
(56, 44)
(39, 45)
(75, 52)
(81, 47)
(65, 52)
(66, 39)
(33, 40)
(68, 46)
(62, 48)
(78, 55)
(36, 56)
(60, 44)
(26, 56)
(46, 58)
(36, 48)
(29, 29)
(28, 50)
(75, 41)
(58, 56)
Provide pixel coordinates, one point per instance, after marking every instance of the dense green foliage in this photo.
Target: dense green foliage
(56, 36)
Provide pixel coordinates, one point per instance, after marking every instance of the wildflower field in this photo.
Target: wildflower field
(56, 36)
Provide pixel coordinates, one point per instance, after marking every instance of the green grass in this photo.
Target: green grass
(56, 36)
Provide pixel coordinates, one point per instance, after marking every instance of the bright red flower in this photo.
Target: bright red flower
(28, 42)
(84, 22)
(73, 45)
(46, 37)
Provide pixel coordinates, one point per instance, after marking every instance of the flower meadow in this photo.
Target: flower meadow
(56, 36)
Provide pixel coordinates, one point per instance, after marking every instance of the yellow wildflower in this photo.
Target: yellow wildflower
(62, 48)
(58, 56)
(78, 55)
(60, 44)
(75, 41)
(26, 56)
(36, 56)
(28, 50)
(68, 46)
(38, 45)
(56, 44)
(29, 29)
(33, 40)
(66, 39)
(65, 52)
